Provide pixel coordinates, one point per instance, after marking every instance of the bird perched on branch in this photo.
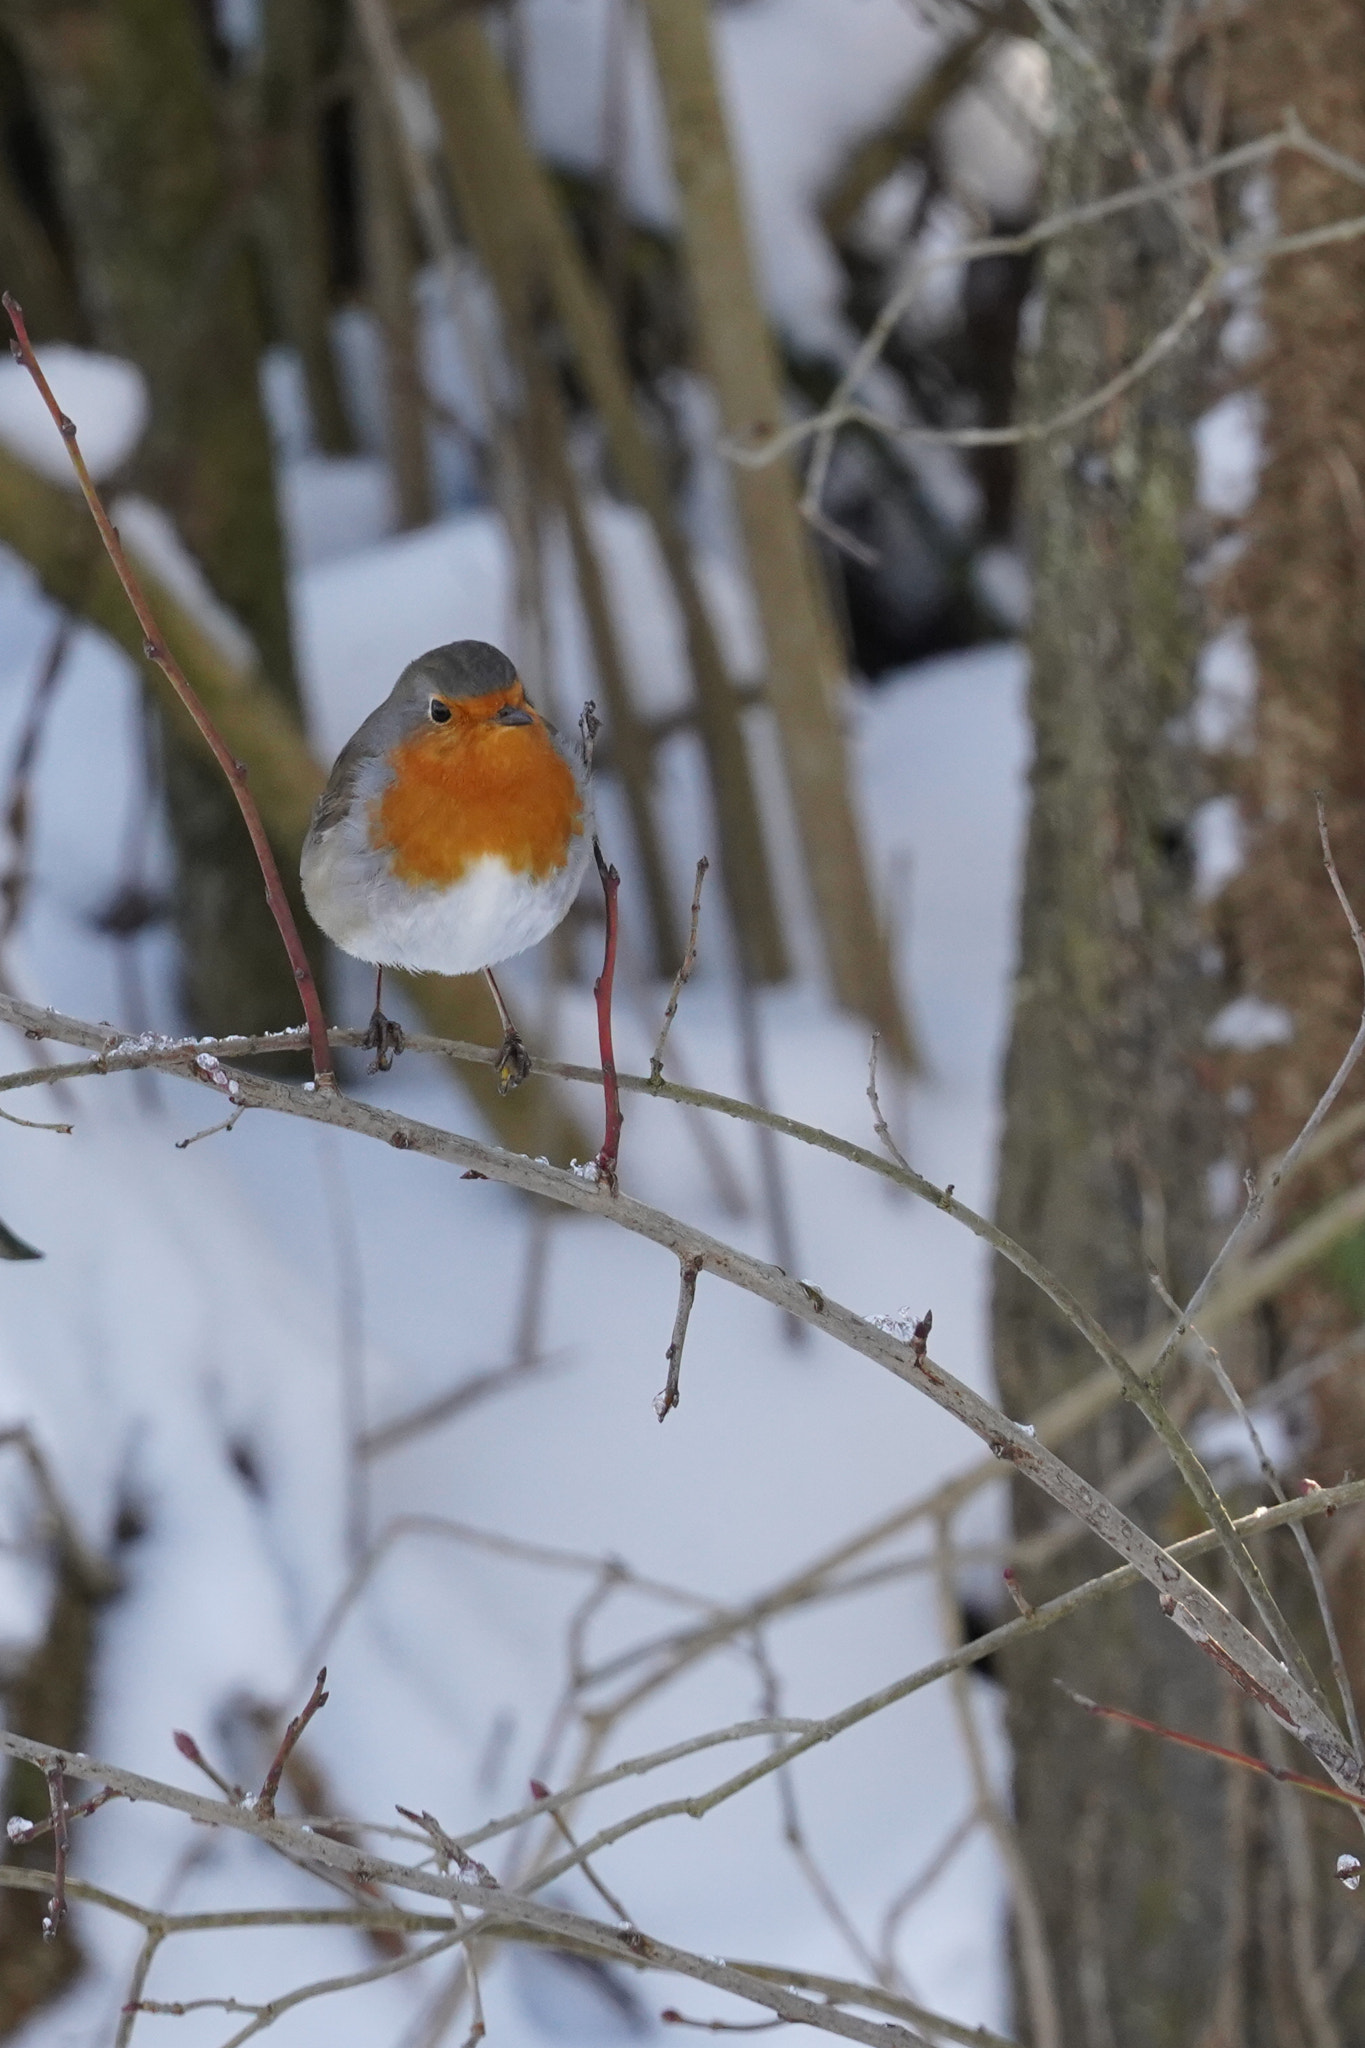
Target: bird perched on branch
(453, 833)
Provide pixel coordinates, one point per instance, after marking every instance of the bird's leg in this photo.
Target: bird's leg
(384, 1038)
(514, 1062)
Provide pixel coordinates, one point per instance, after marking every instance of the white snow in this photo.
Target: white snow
(1227, 444)
(1226, 690)
(1219, 852)
(1250, 1024)
(105, 396)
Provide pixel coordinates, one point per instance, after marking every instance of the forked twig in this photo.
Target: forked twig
(26, 1831)
(1270, 1473)
(680, 979)
(156, 651)
(611, 1089)
(667, 1401)
(879, 1123)
(265, 1798)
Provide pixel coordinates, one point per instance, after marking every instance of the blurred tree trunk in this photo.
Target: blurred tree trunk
(1108, 1132)
(126, 93)
(293, 204)
(1300, 589)
(390, 278)
(805, 667)
(526, 239)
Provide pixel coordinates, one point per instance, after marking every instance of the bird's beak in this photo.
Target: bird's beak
(512, 714)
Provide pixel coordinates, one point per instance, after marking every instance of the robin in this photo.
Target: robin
(453, 833)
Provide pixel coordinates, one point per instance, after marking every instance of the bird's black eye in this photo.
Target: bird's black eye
(438, 713)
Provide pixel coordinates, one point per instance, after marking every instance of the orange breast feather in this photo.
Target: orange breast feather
(465, 790)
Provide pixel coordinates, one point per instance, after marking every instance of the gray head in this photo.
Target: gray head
(463, 668)
(466, 669)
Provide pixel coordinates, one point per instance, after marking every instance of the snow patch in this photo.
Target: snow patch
(1226, 690)
(106, 397)
(1219, 853)
(1227, 446)
(1250, 1024)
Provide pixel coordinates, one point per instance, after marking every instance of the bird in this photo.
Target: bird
(454, 831)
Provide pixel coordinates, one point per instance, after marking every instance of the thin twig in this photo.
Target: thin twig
(1261, 1196)
(667, 1401)
(840, 410)
(1270, 1473)
(1299, 1779)
(26, 1831)
(157, 651)
(265, 1798)
(1035, 1955)
(56, 1908)
(673, 2018)
(680, 979)
(229, 1123)
(475, 1387)
(611, 1142)
(193, 1754)
(879, 1123)
(603, 1891)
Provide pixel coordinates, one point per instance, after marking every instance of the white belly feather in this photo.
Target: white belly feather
(488, 915)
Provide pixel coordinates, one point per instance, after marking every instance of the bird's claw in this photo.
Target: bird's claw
(514, 1063)
(385, 1040)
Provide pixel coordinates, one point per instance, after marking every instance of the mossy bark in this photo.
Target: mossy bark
(1108, 1132)
(128, 102)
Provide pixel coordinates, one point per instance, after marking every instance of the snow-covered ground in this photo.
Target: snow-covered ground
(192, 1342)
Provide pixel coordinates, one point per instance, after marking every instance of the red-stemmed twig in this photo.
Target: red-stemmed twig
(193, 1754)
(265, 1798)
(611, 1143)
(156, 651)
(1227, 1756)
(27, 1831)
(667, 1401)
(56, 1905)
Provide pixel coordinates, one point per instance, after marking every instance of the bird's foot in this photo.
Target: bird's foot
(514, 1063)
(385, 1040)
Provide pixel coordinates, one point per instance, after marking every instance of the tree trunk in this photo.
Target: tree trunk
(527, 233)
(1108, 1134)
(127, 97)
(1299, 588)
(293, 210)
(805, 668)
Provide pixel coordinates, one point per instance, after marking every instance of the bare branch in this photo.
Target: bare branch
(265, 1798)
(667, 1401)
(602, 987)
(56, 1910)
(1191, 1604)
(680, 979)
